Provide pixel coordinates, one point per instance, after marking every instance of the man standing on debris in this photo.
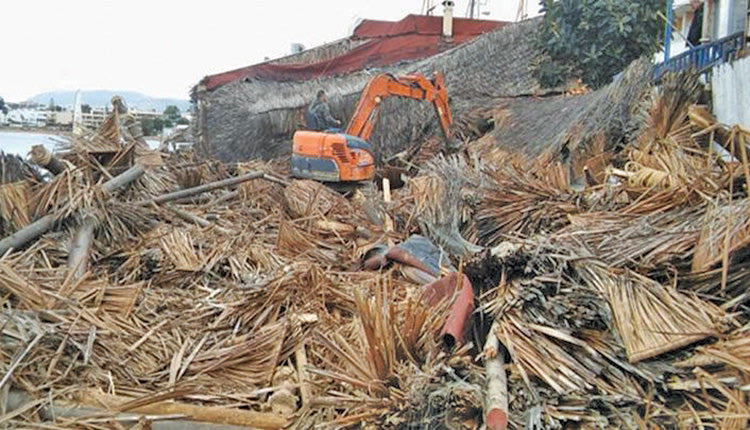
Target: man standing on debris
(319, 116)
(695, 33)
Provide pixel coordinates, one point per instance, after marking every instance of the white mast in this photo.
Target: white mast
(523, 10)
(77, 115)
(428, 6)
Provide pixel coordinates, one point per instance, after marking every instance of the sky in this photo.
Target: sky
(163, 47)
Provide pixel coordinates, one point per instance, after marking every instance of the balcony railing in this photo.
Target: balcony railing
(703, 57)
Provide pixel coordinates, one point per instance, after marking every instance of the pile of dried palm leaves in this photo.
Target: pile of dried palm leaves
(619, 304)
(607, 295)
(242, 305)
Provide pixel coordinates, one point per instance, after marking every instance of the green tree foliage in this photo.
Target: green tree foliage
(183, 121)
(172, 113)
(152, 126)
(595, 39)
(85, 108)
(54, 107)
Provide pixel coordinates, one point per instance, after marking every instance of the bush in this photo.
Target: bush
(172, 113)
(152, 126)
(595, 39)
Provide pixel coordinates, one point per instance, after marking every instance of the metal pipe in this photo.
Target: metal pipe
(448, 19)
(454, 329)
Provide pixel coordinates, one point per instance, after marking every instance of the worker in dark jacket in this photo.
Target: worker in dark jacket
(695, 33)
(319, 116)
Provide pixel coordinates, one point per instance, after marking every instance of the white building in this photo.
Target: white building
(26, 118)
(721, 18)
(94, 118)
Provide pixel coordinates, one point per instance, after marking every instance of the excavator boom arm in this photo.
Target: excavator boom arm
(414, 87)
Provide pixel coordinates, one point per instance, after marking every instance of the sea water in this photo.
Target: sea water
(20, 143)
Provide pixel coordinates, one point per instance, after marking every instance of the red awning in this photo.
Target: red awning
(414, 37)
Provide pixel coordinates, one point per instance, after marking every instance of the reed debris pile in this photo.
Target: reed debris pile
(606, 291)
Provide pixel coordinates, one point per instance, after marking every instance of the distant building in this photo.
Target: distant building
(26, 118)
(97, 116)
(141, 115)
(63, 118)
(94, 118)
(29, 115)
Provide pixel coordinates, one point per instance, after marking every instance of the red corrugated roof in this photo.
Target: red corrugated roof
(425, 25)
(414, 37)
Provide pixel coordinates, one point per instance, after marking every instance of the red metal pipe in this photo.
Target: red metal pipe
(454, 329)
(497, 419)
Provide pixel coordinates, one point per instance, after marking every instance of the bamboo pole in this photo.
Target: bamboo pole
(188, 192)
(78, 257)
(126, 177)
(187, 216)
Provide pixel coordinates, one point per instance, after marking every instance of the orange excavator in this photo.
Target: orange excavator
(347, 157)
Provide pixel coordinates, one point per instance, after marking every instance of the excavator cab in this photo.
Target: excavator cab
(347, 157)
(331, 157)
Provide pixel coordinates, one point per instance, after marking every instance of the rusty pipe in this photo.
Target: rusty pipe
(454, 329)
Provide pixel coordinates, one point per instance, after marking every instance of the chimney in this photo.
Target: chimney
(448, 19)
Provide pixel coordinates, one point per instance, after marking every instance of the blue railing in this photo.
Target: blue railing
(703, 57)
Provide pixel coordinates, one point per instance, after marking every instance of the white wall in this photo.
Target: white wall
(730, 85)
(731, 16)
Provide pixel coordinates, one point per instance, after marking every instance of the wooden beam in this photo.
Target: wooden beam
(80, 248)
(188, 192)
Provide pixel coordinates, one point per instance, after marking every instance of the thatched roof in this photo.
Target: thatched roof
(323, 52)
(256, 118)
(534, 125)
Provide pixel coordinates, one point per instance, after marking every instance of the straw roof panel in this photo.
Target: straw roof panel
(248, 119)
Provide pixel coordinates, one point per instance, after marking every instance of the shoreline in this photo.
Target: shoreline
(51, 132)
(35, 130)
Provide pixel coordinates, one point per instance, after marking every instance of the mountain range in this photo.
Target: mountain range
(101, 98)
